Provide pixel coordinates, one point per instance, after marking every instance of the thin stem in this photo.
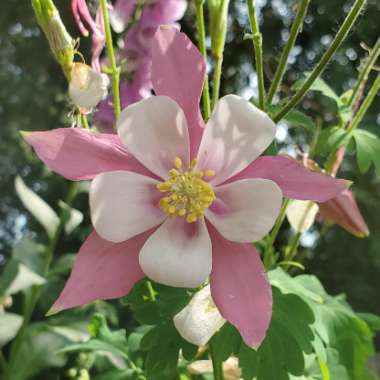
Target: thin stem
(273, 235)
(111, 56)
(84, 122)
(36, 290)
(293, 246)
(202, 48)
(370, 62)
(365, 105)
(216, 78)
(282, 65)
(321, 66)
(218, 40)
(257, 40)
(152, 293)
(217, 365)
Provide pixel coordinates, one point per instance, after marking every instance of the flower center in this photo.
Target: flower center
(188, 195)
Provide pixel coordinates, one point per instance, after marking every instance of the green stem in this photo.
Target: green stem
(293, 246)
(84, 121)
(257, 40)
(111, 56)
(273, 235)
(216, 79)
(370, 62)
(35, 291)
(282, 65)
(365, 105)
(152, 293)
(202, 48)
(321, 66)
(217, 365)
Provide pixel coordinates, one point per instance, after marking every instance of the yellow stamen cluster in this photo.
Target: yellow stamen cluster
(188, 195)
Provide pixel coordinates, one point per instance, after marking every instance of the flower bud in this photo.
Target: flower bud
(60, 41)
(301, 214)
(200, 319)
(87, 87)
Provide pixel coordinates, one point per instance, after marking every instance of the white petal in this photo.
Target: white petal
(87, 87)
(178, 253)
(301, 214)
(200, 319)
(124, 204)
(155, 132)
(245, 211)
(236, 134)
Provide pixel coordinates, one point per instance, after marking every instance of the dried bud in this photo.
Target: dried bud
(87, 87)
(200, 319)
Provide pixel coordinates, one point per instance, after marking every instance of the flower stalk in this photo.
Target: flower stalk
(202, 47)
(321, 66)
(218, 25)
(115, 70)
(283, 63)
(257, 40)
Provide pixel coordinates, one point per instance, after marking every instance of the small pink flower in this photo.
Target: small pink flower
(80, 11)
(178, 201)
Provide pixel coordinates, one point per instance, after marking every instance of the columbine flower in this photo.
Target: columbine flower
(198, 321)
(87, 87)
(157, 182)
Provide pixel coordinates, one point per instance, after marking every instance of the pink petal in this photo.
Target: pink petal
(163, 12)
(77, 154)
(245, 211)
(124, 204)
(295, 181)
(236, 134)
(178, 71)
(344, 211)
(240, 288)
(102, 270)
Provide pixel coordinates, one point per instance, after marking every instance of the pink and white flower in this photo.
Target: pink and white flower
(178, 201)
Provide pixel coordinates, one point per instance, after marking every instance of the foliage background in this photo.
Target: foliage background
(33, 97)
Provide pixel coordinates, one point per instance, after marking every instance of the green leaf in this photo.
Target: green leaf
(321, 86)
(39, 350)
(30, 254)
(299, 119)
(331, 139)
(10, 324)
(17, 277)
(41, 211)
(288, 338)
(367, 150)
(72, 218)
(226, 342)
(372, 320)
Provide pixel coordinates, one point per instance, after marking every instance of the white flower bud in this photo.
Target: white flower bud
(87, 87)
(301, 214)
(200, 319)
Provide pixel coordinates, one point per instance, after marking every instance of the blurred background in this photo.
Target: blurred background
(33, 97)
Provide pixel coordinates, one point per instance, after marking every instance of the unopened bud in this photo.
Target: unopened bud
(60, 41)
(87, 87)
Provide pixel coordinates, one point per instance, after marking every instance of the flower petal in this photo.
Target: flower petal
(295, 181)
(178, 254)
(236, 134)
(124, 204)
(301, 214)
(344, 211)
(155, 132)
(102, 270)
(77, 154)
(198, 321)
(240, 288)
(178, 71)
(245, 211)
